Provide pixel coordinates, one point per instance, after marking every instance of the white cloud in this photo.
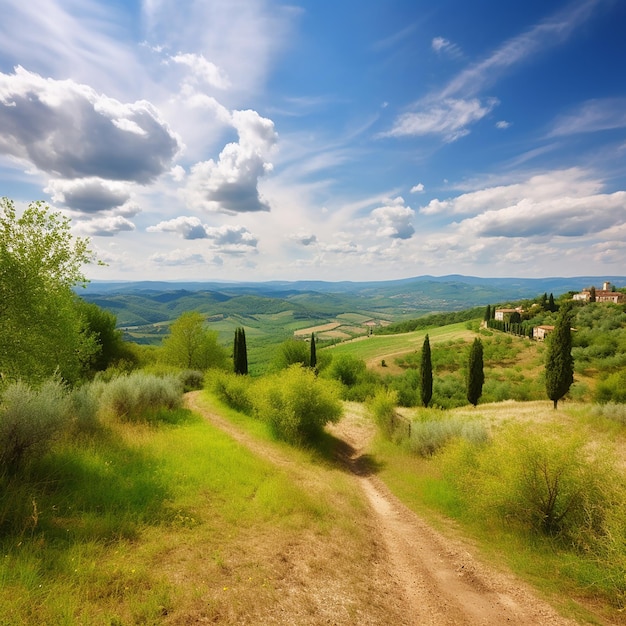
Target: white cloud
(592, 116)
(106, 226)
(441, 45)
(203, 70)
(417, 188)
(502, 124)
(69, 131)
(394, 219)
(178, 257)
(449, 117)
(304, 238)
(538, 189)
(229, 239)
(230, 184)
(89, 195)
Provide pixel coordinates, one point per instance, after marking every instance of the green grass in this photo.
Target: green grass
(88, 531)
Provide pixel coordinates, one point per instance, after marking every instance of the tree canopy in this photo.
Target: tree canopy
(559, 360)
(476, 374)
(426, 373)
(41, 329)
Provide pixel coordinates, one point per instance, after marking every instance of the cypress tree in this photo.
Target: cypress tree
(313, 359)
(240, 353)
(559, 360)
(476, 374)
(487, 316)
(426, 373)
(551, 305)
(592, 294)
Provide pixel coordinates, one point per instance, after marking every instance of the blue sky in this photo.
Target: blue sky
(351, 140)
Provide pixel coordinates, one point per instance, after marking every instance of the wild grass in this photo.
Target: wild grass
(172, 521)
(546, 494)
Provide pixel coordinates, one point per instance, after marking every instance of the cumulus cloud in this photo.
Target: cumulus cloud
(449, 117)
(107, 226)
(563, 203)
(230, 184)
(88, 195)
(203, 70)
(69, 131)
(230, 239)
(573, 182)
(417, 188)
(394, 219)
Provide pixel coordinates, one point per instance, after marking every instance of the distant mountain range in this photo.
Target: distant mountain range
(150, 302)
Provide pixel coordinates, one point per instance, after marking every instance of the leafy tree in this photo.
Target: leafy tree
(426, 373)
(476, 374)
(313, 357)
(100, 325)
(41, 331)
(240, 352)
(290, 352)
(543, 302)
(559, 360)
(191, 346)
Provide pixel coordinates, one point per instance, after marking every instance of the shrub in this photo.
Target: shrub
(612, 411)
(234, 390)
(544, 482)
(429, 436)
(30, 419)
(612, 388)
(296, 404)
(85, 406)
(191, 380)
(383, 409)
(132, 397)
(347, 369)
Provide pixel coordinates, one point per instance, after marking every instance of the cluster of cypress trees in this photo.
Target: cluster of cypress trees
(475, 379)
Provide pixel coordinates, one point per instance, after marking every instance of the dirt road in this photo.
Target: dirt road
(439, 580)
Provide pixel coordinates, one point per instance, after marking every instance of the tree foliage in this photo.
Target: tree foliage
(192, 346)
(313, 357)
(559, 360)
(240, 352)
(426, 373)
(475, 374)
(41, 331)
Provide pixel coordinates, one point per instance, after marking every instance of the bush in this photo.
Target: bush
(383, 409)
(191, 380)
(429, 436)
(612, 388)
(296, 404)
(612, 411)
(234, 390)
(544, 482)
(30, 419)
(347, 369)
(85, 406)
(135, 396)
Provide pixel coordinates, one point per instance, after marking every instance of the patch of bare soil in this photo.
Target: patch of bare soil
(412, 575)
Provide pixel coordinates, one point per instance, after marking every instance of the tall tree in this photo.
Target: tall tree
(426, 373)
(190, 345)
(551, 304)
(559, 360)
(240, 352)
(313, 359)
(487, 315)
(543, 302)
(592, 294)
(476, 374)
(41, 331)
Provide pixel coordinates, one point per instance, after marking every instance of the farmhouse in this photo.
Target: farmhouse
(502, 314)
(606, 294)
(541, 332)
